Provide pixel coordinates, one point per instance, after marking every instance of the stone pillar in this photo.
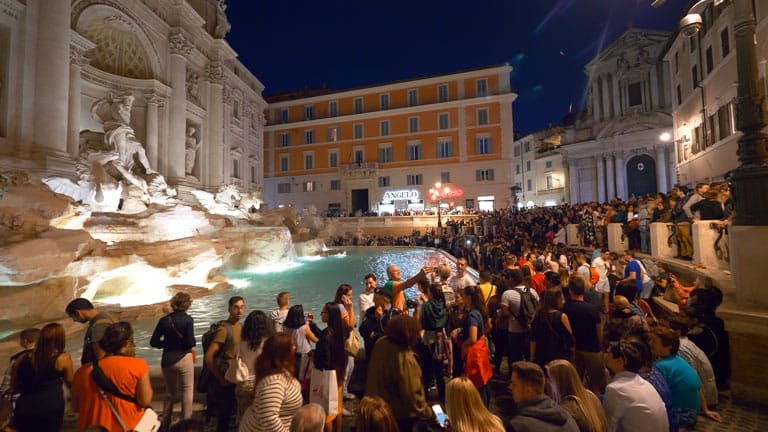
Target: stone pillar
(610, 180)
(617, 108)
(672, 167)
(214, 148)
(621, 187)
(704, 252)
(655, 98)
(661, 169)
(151, 138)
(572, 234)
(606, 99)
(180, 48)
(615, 241)
(600, 179)
(573, 183)
(596, 101)
(52, 84)
(76, 61)
(660, 247)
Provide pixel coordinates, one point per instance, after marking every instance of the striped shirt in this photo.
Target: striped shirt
(277, 398)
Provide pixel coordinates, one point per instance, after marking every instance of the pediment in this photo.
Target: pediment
(635, 48)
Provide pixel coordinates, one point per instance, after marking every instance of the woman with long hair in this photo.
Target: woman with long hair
(330, 355)
(466, 411)
(37, 378)
(175, 334)
(257, 328)
(551, 334)
(394, 374)
(434, 318)
(343, 298)
(277, 396)
(297, 324)
(474, 347)
(374, 415)
(570, 393)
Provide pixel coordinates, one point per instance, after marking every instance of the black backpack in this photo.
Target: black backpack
(528, 307)
(205, 379)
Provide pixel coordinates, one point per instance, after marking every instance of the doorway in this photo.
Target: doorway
(359, 201)
(641, 175)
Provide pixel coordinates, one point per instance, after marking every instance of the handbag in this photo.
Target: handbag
(238, 371)
(149, 421)
(352, 344)
(324, 391)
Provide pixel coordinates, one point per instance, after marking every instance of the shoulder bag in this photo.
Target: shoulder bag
(149, 421)
(238, 371)
(352, 343)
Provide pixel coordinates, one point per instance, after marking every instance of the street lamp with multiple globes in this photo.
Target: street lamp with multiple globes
(437, 193)
(750, 178)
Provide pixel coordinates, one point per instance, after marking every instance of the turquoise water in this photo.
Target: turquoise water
(311, 281)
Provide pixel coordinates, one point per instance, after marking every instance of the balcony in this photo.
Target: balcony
(359, 170)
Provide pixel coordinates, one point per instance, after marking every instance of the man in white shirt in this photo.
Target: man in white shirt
(603, 264)
(631, 403)
(461, 279)
(366, 297)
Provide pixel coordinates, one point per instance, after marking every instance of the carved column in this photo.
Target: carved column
(76, 62)
(600, 179)
(180, 48)
(610, 182)
(606, 99)
(214, 149)
(151, 139)
(52, 80)
(621, 169)
(661, 169)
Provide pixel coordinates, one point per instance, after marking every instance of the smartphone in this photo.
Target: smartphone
(434, 270)
(439, 414)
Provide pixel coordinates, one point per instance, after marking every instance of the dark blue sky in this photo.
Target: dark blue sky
(293, 44)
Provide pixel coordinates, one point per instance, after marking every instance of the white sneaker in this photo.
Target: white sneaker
(349, 396)
(345, 412)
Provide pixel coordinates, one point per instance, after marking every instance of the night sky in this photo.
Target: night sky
(295, 44)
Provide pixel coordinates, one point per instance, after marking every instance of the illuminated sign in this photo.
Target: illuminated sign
(403, 194)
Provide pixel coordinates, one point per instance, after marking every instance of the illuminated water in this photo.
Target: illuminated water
(311, 281)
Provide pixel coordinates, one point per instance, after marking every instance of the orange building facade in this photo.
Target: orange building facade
(381, 148)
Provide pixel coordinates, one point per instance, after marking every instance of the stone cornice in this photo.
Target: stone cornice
(395, 86)
(108, 80)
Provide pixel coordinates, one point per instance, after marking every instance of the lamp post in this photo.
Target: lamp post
(437, 193)
(750, 178)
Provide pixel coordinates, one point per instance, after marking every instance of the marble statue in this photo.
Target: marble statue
(192, 145)
(193, 85)
(114, 171)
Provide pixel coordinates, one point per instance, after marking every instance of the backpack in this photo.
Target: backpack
(594, 276)
(205, 379)
(528, 307)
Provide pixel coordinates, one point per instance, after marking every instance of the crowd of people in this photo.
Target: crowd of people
(583, 352)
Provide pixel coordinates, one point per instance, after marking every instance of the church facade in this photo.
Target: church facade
(621, 146)
(196, 110)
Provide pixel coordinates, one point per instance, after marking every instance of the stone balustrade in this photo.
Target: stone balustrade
(660, 244)
(704, 250)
